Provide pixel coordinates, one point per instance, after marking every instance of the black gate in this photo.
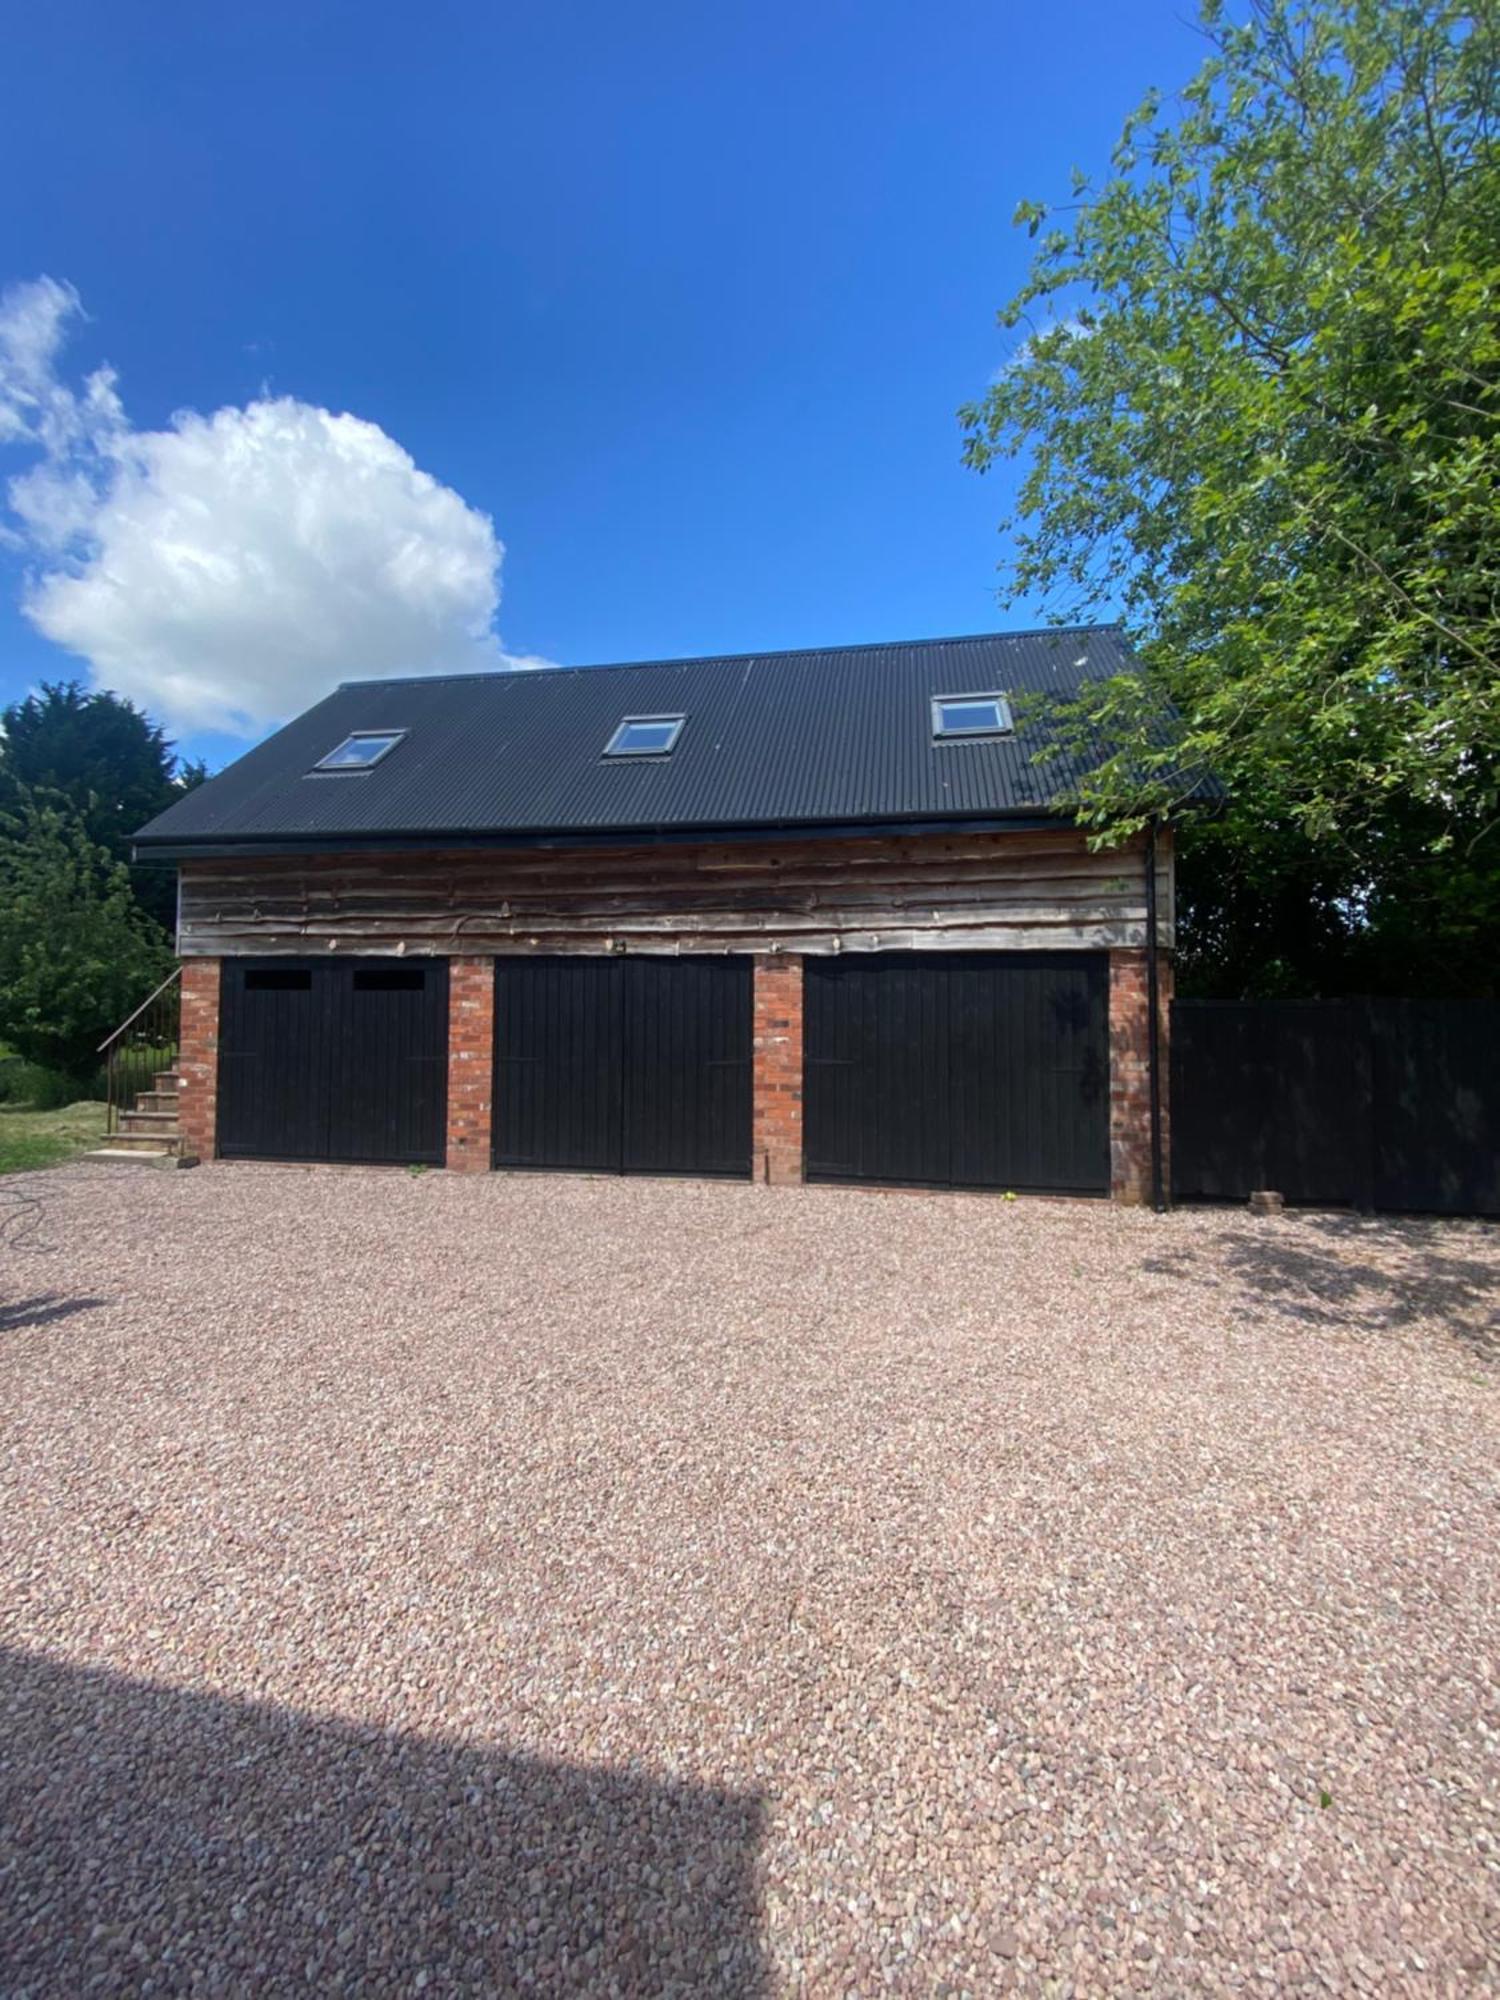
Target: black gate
(959, 1069)
(334, 1060)
(1388, 1104)
(623, 1065)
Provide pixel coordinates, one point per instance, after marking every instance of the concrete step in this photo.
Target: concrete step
(108, 1156)
(166, 1079)
(153, 1124)
(156, 1100)
(142, 1142)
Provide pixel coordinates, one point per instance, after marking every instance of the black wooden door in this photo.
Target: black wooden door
(344, 1060)
(559, 1037)
(623, 1065)
(959, 1069)
(685, 1097)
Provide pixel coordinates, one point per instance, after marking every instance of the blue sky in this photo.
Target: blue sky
(681, 298)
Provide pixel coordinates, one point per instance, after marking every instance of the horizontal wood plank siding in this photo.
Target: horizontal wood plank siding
(1000, 892)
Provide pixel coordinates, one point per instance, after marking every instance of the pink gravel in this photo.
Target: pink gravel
(558, 1585)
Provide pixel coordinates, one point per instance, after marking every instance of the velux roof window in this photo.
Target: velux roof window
(970, 715)
(645, 736)
(361, 751)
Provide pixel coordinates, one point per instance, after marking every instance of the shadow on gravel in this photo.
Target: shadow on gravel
(206, 1845)
(41, 1310)
(1321, 1269)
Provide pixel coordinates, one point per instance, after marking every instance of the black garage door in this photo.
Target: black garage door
(623, 1065)
(344, 1060)
(959, 1069)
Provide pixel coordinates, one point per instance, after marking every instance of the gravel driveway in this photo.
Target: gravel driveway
(551, 1585)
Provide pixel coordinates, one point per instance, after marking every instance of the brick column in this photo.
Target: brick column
(471, 1063)
(1130, 1074)
(778, 1070)
(198, 1058)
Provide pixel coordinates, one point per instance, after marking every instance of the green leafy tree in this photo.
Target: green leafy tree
(112, 764)
(77, 952)
(1257, 406)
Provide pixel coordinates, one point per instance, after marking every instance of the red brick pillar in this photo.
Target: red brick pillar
(1130, 1073)
(471, 1063)
(778, 1069)
(198, 1058)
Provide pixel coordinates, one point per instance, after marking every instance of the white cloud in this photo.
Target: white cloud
(228, 570)
(1072, 328)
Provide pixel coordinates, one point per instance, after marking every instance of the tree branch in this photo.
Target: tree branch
(1399, 590)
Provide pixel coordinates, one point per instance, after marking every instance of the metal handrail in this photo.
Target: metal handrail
(130, 1019)
(143, 1048)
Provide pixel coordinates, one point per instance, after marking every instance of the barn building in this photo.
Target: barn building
(810, 915)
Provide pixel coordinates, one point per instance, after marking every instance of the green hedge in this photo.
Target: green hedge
(40, 1089)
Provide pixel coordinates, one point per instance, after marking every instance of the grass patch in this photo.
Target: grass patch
(30, 1138)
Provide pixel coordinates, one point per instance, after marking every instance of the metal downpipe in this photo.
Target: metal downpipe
(1153, 1008)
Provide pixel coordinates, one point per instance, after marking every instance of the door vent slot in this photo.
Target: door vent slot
(400, 979)
(279, 980)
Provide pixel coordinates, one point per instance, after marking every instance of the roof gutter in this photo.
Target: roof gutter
(249, 847)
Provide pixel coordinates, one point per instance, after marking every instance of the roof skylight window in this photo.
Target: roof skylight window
(970, 715)
(645, 736)
(361, 751)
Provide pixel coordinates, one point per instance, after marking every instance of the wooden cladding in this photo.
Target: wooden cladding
(982, 891)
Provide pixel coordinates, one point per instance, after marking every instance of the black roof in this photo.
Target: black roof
(839, 737)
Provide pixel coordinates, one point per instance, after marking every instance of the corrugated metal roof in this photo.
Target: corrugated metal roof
(837, 736)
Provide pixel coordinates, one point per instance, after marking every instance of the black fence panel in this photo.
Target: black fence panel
(624, 1065)
(1267, 1094)
(344, 1060)
(959, 1069)
(1436, 1076)
(1390, 1104)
